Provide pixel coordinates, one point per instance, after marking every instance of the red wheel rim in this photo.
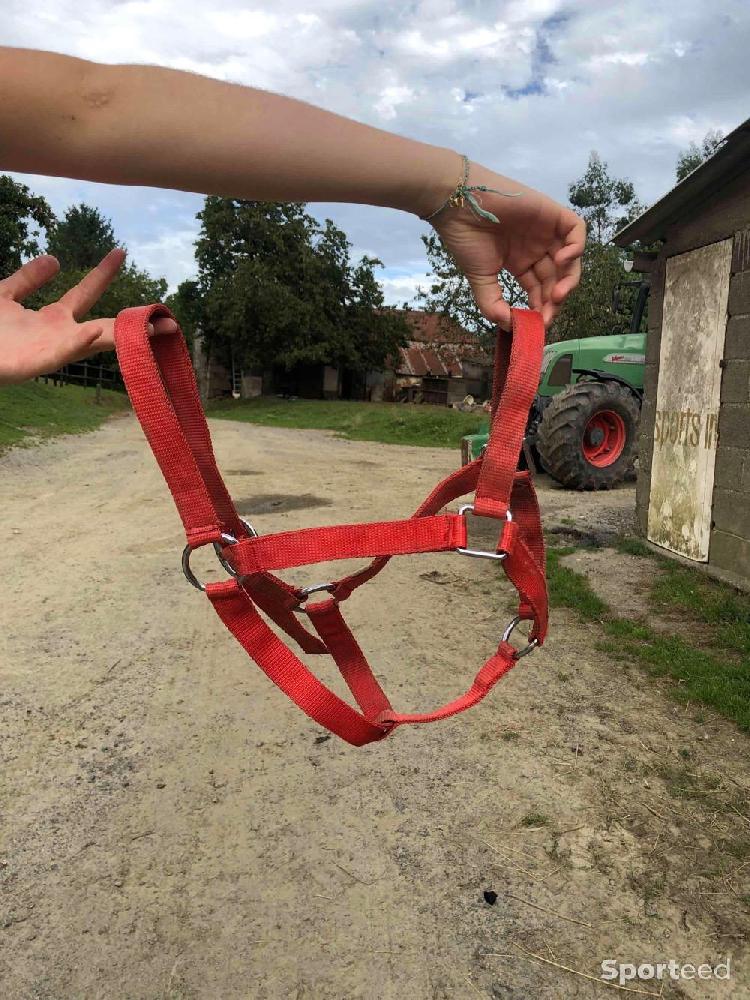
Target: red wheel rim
(604, 438)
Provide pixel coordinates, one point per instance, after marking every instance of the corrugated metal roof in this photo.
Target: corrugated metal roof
(729, 160)
(420, 360)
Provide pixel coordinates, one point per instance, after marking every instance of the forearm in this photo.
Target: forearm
(143, 125)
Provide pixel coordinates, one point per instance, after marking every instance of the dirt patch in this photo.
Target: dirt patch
(623, 581)
(174, 828)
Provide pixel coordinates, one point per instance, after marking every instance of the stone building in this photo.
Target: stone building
(693, 494)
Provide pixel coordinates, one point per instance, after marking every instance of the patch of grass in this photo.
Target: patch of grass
(708, 601)
(569, 589)
(699, 675)
(535, 819)
(634, 547)
(33, 410)
(389, 423)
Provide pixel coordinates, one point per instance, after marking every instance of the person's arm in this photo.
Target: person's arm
(147, 125)
(159, 127)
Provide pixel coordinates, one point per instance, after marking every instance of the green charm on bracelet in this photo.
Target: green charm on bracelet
(463, 194)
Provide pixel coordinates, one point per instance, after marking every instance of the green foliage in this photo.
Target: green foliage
(389, 423)
(24, 217)
(590, 310)
(81, 238)
(33, 411)
(450, 294)
(692, 157)
(277, 288)
(606, 203)
(186, 304)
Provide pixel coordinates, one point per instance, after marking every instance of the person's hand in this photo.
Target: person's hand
(539, 241)
(35, 342)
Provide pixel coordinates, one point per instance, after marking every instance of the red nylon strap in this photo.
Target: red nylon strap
(349, 658)
(516, 382)
(495, 668)
(457, 484)
(347, 541)
(159, 378)
(288, 672)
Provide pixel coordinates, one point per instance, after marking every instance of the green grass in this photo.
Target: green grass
(535, 819)
(724, 610)
(33, 410)
(568, 589)
(389, 423)
(711, 669)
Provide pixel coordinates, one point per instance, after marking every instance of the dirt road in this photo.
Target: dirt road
(172, 827)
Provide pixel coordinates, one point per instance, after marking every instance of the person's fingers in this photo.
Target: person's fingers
(488, 296)
(546, 274)
(530, 284)
(164, 325)
(29, 278)
(565, 286)
(90, 289)
(574, 241)
(104, 334)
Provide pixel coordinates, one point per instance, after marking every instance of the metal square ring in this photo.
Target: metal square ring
(480, 553)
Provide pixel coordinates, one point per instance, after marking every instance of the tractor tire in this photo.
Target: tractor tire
(588, 436)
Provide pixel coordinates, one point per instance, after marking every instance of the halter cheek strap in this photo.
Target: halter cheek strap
(159, 378)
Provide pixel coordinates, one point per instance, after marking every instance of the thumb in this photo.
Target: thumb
(488, 295)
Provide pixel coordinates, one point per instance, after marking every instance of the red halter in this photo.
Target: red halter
(159, 378)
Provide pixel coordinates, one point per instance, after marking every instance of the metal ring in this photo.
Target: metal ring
(479, 553)
(509, 631)
(251, 533)
(316, 588)
(187, 552)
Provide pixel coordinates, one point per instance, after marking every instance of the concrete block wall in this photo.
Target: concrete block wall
(730, 534)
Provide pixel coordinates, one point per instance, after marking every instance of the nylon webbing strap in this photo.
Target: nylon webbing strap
(159, 378)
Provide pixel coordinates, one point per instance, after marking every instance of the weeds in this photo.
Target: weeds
(701, 675)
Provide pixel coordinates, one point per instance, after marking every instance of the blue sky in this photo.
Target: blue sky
(528, 88)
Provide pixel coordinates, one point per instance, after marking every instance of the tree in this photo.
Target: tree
(81, 238)
(692, 157)
(589, 310)
(23, 218)
(187, 305)
(451, 296)
(606, 203)
(279, 289)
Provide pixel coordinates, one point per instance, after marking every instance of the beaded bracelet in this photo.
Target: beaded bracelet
(462, 194)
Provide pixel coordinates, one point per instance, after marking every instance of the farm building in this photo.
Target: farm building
(441, 364)
(693, 495)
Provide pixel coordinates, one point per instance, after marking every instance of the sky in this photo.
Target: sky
(527, 88)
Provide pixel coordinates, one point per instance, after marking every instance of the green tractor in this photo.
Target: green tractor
(583, 425)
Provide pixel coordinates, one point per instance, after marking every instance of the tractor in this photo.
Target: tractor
(583, 424)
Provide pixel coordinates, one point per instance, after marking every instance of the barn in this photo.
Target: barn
(693, 494)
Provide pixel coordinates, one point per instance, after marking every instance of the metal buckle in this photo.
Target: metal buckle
(316, 588)
(507, 634)
(478, 553)
(251, 533)
(226, 539)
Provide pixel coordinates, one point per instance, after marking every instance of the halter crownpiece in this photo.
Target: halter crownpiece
(159, 378)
